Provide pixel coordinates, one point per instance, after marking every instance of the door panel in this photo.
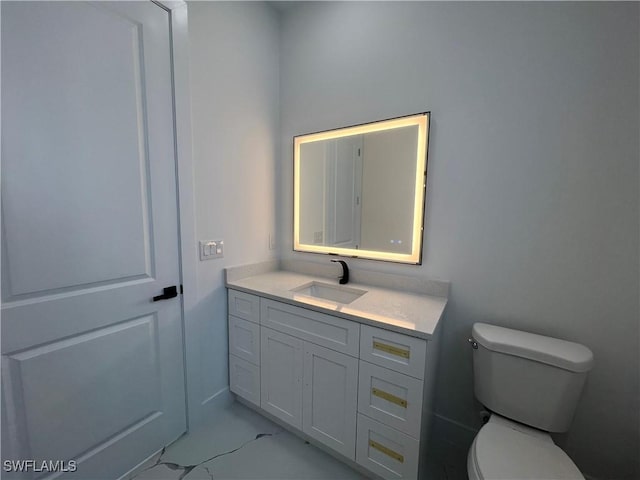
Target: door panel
(63, 379)
(330, 398)
(90, 123)
(244, 339)
(92, 369)
(244, 379)
(281, 376)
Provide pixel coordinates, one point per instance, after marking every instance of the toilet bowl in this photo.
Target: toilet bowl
(531, 383)
(507, 450)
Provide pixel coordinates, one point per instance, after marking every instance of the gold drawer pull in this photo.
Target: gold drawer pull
(400, 352)
(389, 397)
(386, 451)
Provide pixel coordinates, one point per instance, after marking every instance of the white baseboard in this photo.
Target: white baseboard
(455, 433)
(222, 398)
(208, 408)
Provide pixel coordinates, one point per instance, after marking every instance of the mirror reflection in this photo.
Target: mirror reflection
(359, 191)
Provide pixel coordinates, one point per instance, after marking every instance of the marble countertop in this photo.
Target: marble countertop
(409, 313)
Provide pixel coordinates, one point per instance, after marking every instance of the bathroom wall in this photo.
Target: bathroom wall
(533, 196)
(235, 121)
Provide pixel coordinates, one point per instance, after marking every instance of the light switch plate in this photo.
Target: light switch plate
(217, 250)
(211, 249)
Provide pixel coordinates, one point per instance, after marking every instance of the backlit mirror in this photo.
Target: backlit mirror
(359, 191)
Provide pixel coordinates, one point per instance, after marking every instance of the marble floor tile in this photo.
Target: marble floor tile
(239, 444)
(281, 456)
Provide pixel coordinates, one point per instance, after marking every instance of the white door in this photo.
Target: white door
(330, 398)
(92, 368)
(281, 358)
(343, 184)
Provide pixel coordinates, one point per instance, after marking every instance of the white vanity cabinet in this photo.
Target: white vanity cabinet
(364, 392)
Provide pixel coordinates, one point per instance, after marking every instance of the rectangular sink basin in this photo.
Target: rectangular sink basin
(328, 291)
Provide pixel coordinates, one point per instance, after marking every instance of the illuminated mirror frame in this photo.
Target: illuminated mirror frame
(415, 257)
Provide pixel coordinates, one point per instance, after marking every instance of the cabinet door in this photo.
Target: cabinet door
(281, 376)
(330, 398)
(244, 379)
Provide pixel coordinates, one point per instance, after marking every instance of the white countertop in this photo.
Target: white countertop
(409, 313)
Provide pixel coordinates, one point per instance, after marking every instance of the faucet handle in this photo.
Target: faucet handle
(345, 271)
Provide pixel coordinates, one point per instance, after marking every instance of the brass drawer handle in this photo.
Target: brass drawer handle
(400, 352)
(389, 397)
(386, 451)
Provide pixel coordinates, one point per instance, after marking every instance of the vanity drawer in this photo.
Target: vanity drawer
(386, 451)
(244, 339)
(244, 379)
(325, 330)
(244, 305)
(393, 350)
(390, 397)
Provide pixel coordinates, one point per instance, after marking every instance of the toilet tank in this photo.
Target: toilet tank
(529, 378)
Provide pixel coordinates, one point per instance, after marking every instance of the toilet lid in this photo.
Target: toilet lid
(501, 452)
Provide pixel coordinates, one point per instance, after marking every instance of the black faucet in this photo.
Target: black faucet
(345, 271)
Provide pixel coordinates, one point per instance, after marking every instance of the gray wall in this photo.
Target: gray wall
(388, 191)
(532, 204)
(235, 114)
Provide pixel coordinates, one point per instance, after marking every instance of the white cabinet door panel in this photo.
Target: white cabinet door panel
(330, 398)
(244, 339)
(244, 379)
(281, 376)
(244, 305)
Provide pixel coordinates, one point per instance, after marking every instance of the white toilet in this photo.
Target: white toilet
(531, 384)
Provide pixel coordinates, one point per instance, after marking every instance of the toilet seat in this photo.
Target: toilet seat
(507, 450)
